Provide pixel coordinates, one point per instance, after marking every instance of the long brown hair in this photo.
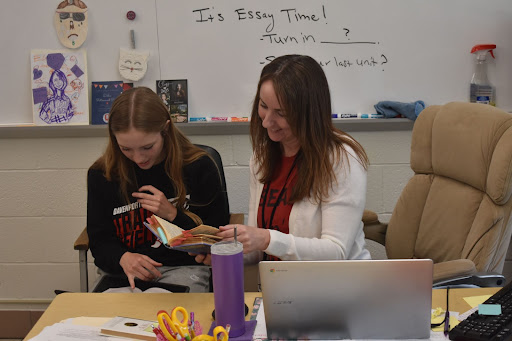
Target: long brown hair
(142, 109)
(303, 93)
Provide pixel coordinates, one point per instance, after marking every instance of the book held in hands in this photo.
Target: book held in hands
(196, 240)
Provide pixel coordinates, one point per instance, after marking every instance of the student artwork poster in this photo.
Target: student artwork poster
(59, 87)
(103, 95)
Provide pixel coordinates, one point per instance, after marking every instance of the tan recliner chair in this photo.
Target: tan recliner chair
(456, 208)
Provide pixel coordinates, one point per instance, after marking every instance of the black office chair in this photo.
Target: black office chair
(82, 242)
(214, 154)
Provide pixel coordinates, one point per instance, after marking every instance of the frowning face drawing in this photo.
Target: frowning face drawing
(70, 22)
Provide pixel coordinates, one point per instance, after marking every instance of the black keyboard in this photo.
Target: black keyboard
(478, 327)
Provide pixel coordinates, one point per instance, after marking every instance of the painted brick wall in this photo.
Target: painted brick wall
(43, 201)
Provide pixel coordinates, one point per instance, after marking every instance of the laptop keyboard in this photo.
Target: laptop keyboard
(487, 327)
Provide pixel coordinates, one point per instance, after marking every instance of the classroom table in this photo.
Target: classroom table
(145, 306)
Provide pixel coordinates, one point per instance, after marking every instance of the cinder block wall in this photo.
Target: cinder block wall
(43, 202)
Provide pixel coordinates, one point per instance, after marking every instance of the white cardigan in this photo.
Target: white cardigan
(329, 230)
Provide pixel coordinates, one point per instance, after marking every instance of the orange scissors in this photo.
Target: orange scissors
(178, 326)
(218, 330)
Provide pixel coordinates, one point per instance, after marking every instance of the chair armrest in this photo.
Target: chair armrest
(373, 228)
(370, 217)
(236, 218)
(478, 280)
(449, 270)
(82, 242)
(462, 273)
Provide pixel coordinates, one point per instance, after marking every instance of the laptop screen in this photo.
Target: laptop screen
(350, 299)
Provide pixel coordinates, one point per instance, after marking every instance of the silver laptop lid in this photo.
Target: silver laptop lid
(352, 299)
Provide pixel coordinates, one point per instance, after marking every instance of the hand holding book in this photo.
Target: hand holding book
(196, 240)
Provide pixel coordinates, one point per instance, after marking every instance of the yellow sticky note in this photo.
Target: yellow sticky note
(474, 301)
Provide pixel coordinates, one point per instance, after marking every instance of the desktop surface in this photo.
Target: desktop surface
(141, 306)
(145, 306)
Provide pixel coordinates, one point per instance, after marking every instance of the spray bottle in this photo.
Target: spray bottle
(481, 90)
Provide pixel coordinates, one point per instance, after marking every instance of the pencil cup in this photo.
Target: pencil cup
(228, 286)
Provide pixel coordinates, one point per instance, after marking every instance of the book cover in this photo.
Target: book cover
(103, 94)
(129, 328)
(196, 240)
(59, 87)
(174, 94)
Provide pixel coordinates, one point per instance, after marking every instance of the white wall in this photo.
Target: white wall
(421, 41)
(43, 201)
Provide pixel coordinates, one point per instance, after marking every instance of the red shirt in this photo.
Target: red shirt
(274, 205)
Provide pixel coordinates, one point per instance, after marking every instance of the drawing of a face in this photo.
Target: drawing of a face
(58, 81)
(133, 64)
(70, 22)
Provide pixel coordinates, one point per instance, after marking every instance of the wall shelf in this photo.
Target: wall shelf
(190, 129)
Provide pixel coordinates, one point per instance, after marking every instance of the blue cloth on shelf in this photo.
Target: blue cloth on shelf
(392, 109)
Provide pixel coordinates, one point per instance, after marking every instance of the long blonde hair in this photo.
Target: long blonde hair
(303, 93)
(141, 108)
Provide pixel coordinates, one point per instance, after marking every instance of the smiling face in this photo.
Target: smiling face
(145, 149)
(132, 64)
(274, 120)
(70, 21)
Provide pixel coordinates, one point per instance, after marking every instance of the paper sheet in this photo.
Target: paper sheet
(71, 332)
(474, 301)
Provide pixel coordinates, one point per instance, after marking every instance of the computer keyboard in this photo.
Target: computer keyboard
(478, 327)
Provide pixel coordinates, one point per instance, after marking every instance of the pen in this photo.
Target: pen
(197, 119)
(219, 119)
(447, 314)
(238, 119)
(357, 115)
(159, 334)
(192, 325)
(446, 323)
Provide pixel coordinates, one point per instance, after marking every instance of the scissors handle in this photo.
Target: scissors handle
(220, 330)
(180, 326)
(164, 322)
(183, 312)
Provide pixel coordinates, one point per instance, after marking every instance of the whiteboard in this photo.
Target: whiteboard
(371, 50)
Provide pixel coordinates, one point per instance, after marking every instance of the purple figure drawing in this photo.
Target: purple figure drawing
(57, 108)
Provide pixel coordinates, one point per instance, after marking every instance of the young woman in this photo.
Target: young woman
(308, 179)
(149, 167)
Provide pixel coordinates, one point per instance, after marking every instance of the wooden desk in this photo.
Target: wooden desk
(145, 306)
(141, 306)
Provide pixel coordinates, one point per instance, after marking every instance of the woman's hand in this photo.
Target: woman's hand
(156, 202)
(252, 238)
(202, 258)
(140, 266)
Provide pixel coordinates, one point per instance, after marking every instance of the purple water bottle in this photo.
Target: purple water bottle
(228, 286)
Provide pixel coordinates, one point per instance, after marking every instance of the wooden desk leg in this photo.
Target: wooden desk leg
(84, 276)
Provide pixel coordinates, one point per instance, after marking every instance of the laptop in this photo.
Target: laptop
(350, 299)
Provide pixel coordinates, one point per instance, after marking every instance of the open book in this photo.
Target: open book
(197, 240)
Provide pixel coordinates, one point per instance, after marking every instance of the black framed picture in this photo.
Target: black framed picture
(174, 94)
